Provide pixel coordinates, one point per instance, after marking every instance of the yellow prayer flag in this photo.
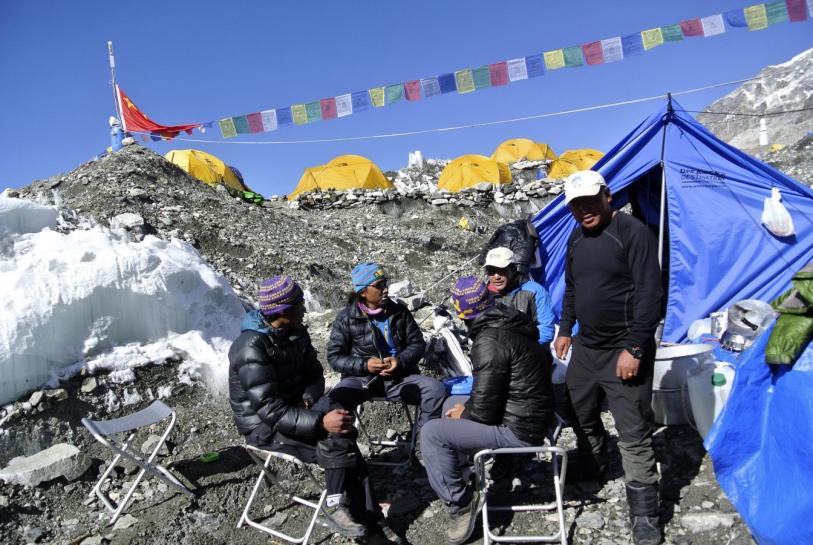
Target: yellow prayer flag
(464, 81)
(756, 17)
(299, 113)
(652, 38)
(554, 59)
(377, 96)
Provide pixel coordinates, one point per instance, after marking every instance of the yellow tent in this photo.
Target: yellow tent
(517, 149)
(343, 172)
(205, 167)
(470, 170)
(573, 161)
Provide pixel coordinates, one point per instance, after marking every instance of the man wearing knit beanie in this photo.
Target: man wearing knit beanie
(276, 388)
(510, 403)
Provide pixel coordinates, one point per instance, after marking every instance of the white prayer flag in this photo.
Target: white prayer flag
(269, 120)
(612, 50)
(344, 105)
(712, 25)
(517, 70)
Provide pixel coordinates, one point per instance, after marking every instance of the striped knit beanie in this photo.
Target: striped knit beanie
(278, 294)
(470, 297)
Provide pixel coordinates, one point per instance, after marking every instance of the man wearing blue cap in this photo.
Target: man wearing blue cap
(376, 345)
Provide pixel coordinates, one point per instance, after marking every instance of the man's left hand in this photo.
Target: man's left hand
(626, 368)
(456, 411)
(393, 365)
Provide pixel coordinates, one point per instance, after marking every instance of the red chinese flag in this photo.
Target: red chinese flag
(796, 10)
(328, 106)
(255, 122)
(691, 27)
(412, 89)
(134, 120)
(593, 53)
(499, 73)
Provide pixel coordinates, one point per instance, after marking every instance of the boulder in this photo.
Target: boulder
(61, 460)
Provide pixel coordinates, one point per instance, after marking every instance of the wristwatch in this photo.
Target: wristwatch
(636, 351)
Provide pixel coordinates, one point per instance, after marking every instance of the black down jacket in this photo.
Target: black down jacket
(354, 340)
(270, 375)
(512, 374)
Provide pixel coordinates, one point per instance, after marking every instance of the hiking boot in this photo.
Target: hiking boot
(379, 533)
(463, 520)
(645, 531)
(643, 504)
(339, 519)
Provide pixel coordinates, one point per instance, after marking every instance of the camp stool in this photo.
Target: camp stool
(262, 458)
(556, 454)
(105, 431)
(378, 443)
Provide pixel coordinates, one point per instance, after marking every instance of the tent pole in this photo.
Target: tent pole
(112, 60)
(662, 219)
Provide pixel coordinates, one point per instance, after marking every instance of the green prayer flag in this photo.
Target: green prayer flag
(756, 17)
(652, 38)
(554, 59)
(464, 80)
(573, 56)
(227, 127)
(672, 33)
(299, 113)
(377, 96)
(313, 111)
(241, 124)
(777, 12)
(394, 93)
(482, 77)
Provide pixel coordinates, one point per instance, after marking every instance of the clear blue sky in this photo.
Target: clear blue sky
(184, 61)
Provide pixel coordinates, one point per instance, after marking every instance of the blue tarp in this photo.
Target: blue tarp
(762, 446)
(718, 251)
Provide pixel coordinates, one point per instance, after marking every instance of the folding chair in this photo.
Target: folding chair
(377, 443)
(263, 458)
(557, 454)
(105, 431)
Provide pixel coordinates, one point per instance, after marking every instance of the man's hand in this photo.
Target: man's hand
(375, 366)
(338, 421)
(561, 345)
(392, 365)
(455, 411)
(626, 367)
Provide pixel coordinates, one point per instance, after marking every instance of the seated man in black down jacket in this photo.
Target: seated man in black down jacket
(275, 389)
(510, 403)
(376, 345)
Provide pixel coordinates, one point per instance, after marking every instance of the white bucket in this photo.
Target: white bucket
(672, 363)
(708, 387)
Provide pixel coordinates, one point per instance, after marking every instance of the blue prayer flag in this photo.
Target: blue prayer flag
(535, 65)
(155, 138)
(735, 18)
(209, 124)
(361, 101)
(632, 44)
(284, 116)
(447, 83)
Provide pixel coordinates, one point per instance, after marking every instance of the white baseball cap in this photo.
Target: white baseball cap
(500, 257)
(585, 183)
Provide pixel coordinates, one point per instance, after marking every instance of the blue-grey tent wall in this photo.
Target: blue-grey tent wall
(718, 251)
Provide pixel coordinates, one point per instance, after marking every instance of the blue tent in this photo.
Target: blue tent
(716, 251)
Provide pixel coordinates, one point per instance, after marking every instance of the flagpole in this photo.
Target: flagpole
(112, 60)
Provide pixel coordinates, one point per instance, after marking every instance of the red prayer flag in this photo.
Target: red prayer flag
(499, 73)
(796, 10)
(133, 119)
(593, 53)
(692, 27)
(412, 89)
(328, 107)
(255, 122)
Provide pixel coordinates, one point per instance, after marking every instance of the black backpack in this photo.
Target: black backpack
(520, 237)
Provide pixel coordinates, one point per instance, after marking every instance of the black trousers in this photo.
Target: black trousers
(345, 470)
(590, 378)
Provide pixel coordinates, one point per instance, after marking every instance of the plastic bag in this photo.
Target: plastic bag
(775, 217)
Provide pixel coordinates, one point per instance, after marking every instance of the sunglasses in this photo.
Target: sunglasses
(380, 284)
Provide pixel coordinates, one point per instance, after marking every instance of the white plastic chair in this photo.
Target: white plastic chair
(377, 443)
(105, 432)
(263, 458)
(557, 454)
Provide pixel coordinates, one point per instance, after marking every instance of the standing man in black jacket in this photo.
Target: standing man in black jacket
(275, 390)
(510, 403)
(613, 290)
